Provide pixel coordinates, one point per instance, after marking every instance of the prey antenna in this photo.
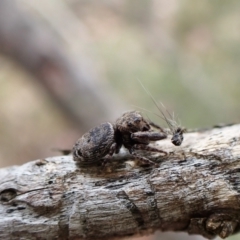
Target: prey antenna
(144, 109)
(175, 129)
(150, 95)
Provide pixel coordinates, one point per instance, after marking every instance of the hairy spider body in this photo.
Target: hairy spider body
(94, 144)
(131, 130)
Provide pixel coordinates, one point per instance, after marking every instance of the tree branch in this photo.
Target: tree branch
(196, 188)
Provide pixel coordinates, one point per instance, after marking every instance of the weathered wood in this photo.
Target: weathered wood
(196, 188)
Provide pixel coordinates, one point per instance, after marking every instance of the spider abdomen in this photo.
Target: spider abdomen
(95, 144)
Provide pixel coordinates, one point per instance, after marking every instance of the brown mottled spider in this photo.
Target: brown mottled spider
(131, 130)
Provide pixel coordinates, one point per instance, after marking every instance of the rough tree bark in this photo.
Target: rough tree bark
(196, 188)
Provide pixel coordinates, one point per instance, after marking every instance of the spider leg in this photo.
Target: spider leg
(148, 148)
(63, 151)
(112, 149)
(145, 137)
(143, 159)
(107, 158)
(115, 148)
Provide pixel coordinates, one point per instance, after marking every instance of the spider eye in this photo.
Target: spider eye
(137, 120)
(79, 153)
(129, 124)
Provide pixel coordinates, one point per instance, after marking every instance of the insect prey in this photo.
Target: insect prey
(175, 129)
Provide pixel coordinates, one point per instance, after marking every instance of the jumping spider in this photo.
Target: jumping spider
(131, 130)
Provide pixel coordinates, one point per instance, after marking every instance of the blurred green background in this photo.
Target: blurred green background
(187, 54)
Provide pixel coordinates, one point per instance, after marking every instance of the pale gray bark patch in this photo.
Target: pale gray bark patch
(196, 189)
